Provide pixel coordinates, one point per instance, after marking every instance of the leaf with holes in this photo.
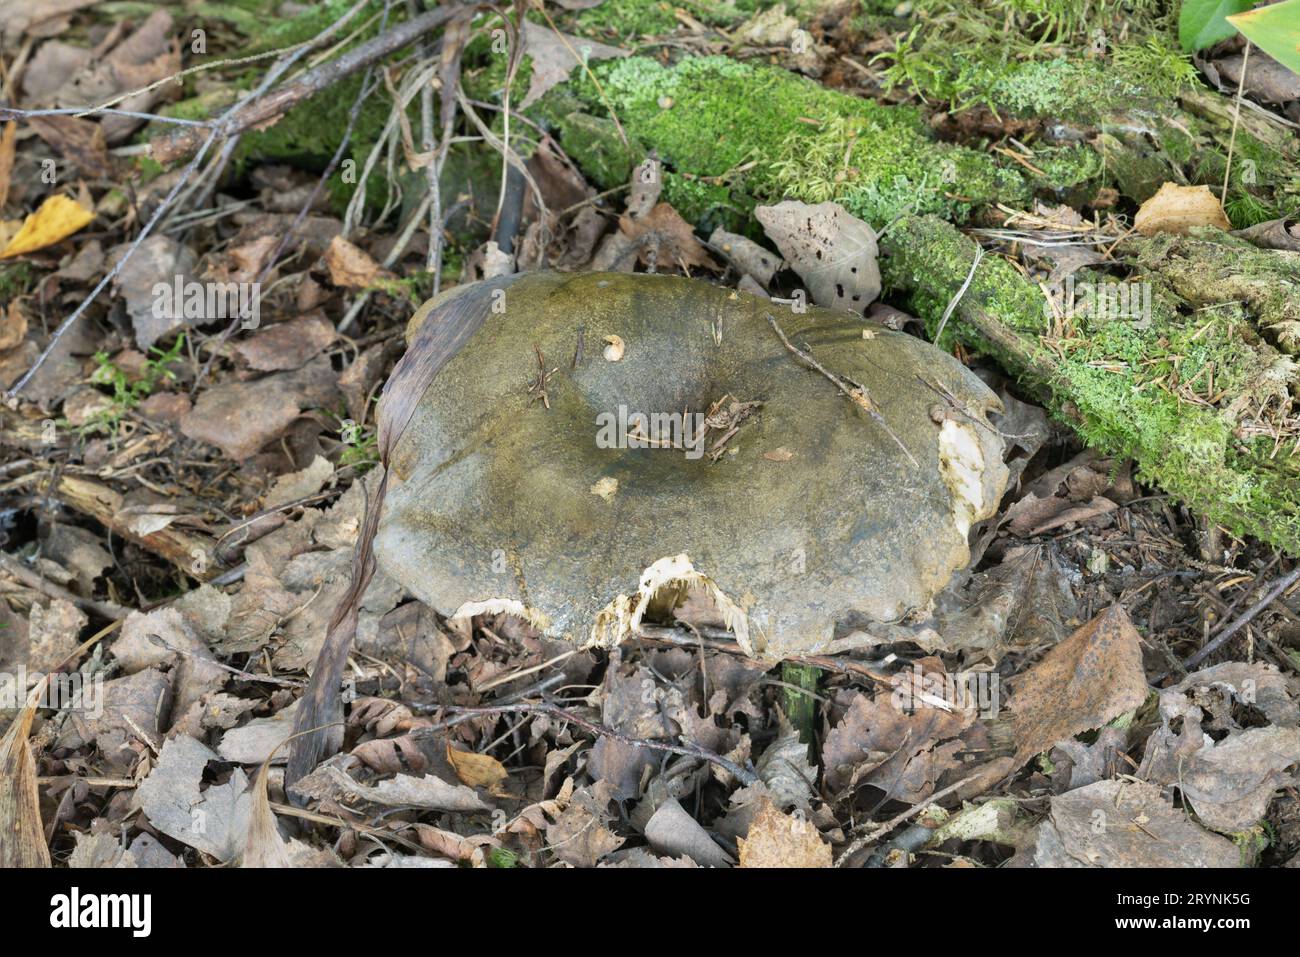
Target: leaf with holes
(832, 251)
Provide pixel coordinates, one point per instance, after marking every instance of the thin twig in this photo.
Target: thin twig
(32, 579)
(1236, 116)
(237, 672)
(856, 392)
(718, 639)
(13, 113)
(1245, 618)
(880, 830)
(177, 77)
(172, 146)
(952, 303)
(273, 260)
(67, 323)
(516, 675)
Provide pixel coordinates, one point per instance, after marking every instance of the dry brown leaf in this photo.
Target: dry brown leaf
(240, 417)
(1088, 679)
(7, 141)
(406, 790)
(746, 255)
(13, 326)
(264, 846)
(350, 266)
(19, 16)
(159, 259)
(554, 55)
(1125, 824)
(1033, 515)
(20, 810)
(674, 833)
(1230, 784)
(579, 835)
(287, 345)
(148, 54)
(477, 770)
(213, 819)
(1176, 209)
(56, 219)
(80, 141)
(666, 239)
(782, 840)
(1281, 233)
(902, 754)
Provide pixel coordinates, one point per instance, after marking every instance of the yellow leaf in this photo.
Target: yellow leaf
(477, 770)
(7, 140)
(57, 219)
(1176, 209)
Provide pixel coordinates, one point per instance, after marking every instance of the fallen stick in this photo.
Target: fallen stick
(1242, 620)
(171, 146)
(32, 579)
(192, 555)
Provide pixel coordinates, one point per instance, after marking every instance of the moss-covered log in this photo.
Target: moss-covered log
(1198, 400)
(731, 134)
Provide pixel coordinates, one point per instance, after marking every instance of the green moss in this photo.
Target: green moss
(760, 134)
(201, 107)
(704, 203)
(249, 17)
(1258, 187)
(148, 167)
(1211, 269)
(14, 278)
(1156, 65)
(1245, 209)
(1133, 165)
(627, 18)
(310, 133)
(1134, 390)
(483, 72)
(1066, 167)
(594, 144)
(1061, 87)
(273, 32)
(1008, 55)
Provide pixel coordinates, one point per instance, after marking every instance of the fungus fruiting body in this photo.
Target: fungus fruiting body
(708, 464)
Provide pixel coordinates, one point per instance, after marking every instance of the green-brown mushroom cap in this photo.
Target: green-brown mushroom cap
(811, 515)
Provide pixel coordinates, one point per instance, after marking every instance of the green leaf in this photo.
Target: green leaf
(1275, 30)
(1203, 23)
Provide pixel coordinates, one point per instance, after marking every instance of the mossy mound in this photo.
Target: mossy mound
(1197, 398)
(733, 134)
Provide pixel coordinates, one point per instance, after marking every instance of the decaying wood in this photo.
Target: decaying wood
(189, 553)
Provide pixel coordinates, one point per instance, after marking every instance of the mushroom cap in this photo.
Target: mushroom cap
(812, 514)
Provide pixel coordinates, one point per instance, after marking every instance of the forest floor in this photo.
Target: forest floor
(183, 487)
